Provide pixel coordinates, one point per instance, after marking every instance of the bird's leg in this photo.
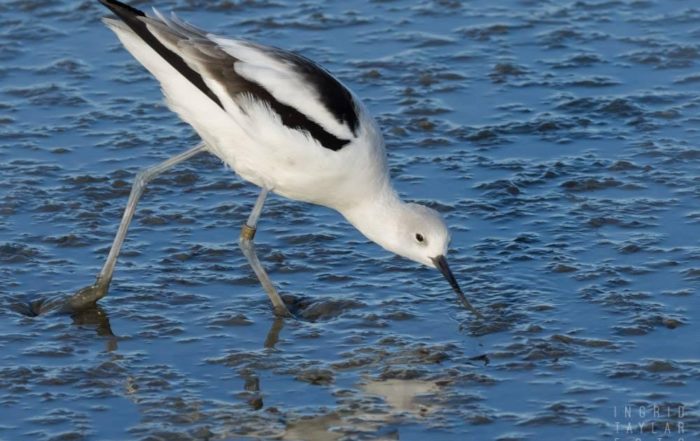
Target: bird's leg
(248, 248)
(91, 294)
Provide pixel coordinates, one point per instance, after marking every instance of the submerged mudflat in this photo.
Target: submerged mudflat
(559, 139)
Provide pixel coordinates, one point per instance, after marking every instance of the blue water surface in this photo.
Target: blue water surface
(558, 138)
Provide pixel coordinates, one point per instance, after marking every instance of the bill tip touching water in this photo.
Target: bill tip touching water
(281, 122)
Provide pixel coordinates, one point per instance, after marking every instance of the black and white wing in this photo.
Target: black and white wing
(239, 73)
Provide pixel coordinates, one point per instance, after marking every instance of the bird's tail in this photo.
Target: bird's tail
(136, 23)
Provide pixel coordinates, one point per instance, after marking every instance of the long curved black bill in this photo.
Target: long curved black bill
(441, 264)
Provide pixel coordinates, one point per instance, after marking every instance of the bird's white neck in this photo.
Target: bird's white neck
(376, 216)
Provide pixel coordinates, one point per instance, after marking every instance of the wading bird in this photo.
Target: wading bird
(281, 122)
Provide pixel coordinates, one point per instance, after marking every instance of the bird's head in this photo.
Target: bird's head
(419, 233)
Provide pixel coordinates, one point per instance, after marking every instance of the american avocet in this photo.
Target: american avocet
(281, 122)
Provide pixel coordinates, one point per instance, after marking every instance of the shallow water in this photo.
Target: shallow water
(559, 139)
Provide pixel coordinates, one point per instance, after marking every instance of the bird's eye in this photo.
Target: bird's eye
(419, 237)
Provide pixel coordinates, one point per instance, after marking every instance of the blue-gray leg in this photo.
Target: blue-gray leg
(87, 296)
(248, 248)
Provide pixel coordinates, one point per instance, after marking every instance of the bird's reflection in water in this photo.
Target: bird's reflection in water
(253, 394)
(402, 398)
(273, 335)
(93, 317)
(336, 427)
(98, 318)
(315, 428)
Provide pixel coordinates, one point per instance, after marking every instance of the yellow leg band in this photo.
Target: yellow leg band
(247, 232)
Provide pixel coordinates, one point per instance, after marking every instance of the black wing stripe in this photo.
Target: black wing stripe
(129, 15)
(294, 119)
(221, 69)
(219, 65)
(334, 96)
